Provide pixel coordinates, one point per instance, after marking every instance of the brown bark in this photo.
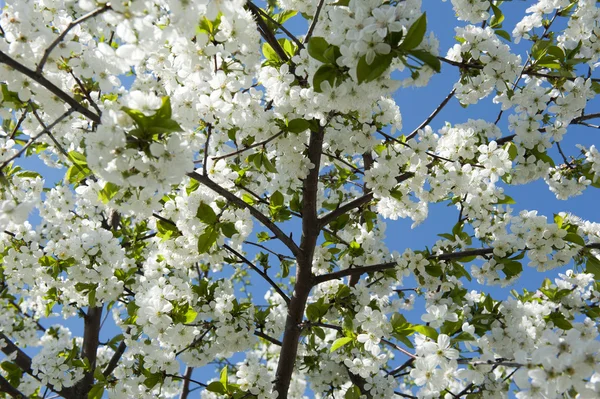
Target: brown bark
(304, 275)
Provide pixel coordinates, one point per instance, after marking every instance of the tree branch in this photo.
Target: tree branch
(314, 21)
(280, 26)
(266, 33)
(89, 350)
(272, 340)
(114, 360)
(9, 389)
(5, 59)
(24, 362)
(37, 136)
(261, 143)
(304, 275)
(60, 37)
(433, 115)
(527, 71)
(354, 271)
(355, 203)
(185, 390)
(260, 272)
(287, 241)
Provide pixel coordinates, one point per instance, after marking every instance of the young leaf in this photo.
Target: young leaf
(415, 34)
(338, 343)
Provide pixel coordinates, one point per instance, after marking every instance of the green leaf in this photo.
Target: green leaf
(353, 393)
(506, 200)
(216, 387)
(367, 73)
(164, 112)
(192, 186)
(426, 331)
(207, 239)
(166, 230)
(298, 125)
(503, 34)
(338, 343)
(228, 229)
(152, 380)
(97, 391)
(77, 158)
(511, 268)
(190, 315)
(498, 17)
(574, 238)
(206, 214)
(327, 73)
(539, 48)
(108, 192)
(415, 34)
(276, 199)
(269, 53)
(593, 266)
(317, 47)
(558, 220)
(77, 173)
(140, 119)
(223, 377)
(429, 59)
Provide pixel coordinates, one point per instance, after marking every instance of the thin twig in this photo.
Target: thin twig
(314, 21)
(19, 122)
(56, 143)
(286, 240)
(268, 338)
(60, 37)
(37, 136)
(283, 29)
(260, 272)
(86, 93)
(261, 143)
(433, 115)
(280, 256)
(206, 144)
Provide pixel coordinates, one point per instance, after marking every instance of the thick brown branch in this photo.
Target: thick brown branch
(60, 37)
(24, 362)
(91, 334)
(266, 33)
(260, 272)
(185, 390)
(280, 26)
(304, 276)
(5, 59)
(10, 390)
(355, 203)
(287, 241)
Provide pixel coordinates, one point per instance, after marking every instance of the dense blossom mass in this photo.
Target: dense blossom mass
(188, 183)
